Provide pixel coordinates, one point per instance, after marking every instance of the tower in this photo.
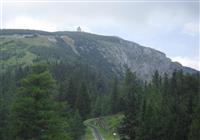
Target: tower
(79, 29)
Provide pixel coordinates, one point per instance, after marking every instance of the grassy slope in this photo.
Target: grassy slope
(15, 51)
(106, 126)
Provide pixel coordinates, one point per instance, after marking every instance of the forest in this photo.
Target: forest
(50, 101)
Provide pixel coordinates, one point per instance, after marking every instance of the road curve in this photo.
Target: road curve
(96, 133)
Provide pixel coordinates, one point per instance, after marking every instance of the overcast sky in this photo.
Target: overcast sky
(171, 27)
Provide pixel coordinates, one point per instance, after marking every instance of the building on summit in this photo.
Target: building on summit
(79, 29)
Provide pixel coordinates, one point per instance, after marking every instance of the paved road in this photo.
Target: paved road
(96, 133)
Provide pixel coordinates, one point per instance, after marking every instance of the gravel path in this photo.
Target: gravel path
(96, 133)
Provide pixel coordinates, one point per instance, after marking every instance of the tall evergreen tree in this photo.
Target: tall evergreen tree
(75, 125)
(150, 127)
(83, 102)
(128, 127)
(71, 93)
(97, 109)
(34, 115)
(114, 97)
(68, 92)
(194, 133)
(3, 120)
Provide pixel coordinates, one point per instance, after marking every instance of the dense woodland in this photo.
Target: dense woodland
(51, 101)
(164, 109)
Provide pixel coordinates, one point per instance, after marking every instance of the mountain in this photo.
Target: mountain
(107, 53)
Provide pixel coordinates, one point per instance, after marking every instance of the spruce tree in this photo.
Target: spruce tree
(3, 120)
(34, 112)
(71, 93)
(97, 109)
(68, 92)
(194, 133)
(75, 124)
(114, 97)
(128, 127)
(83, 102)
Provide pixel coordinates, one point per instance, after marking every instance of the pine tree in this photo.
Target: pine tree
(68, 92)
(194, 133)
(34, 113)
(128, 127)
(83, 102)
(114, 97)
(3, 120)
(75, 125)
(97, 109)
(71, 93)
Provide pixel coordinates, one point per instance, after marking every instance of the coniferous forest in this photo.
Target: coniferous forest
(51, 101)
(99, 70)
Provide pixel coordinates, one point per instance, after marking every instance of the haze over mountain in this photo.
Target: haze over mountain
(107, 53)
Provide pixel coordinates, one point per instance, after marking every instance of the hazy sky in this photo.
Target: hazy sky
(169, 26)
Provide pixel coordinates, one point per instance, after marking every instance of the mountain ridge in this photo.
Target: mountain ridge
(110, 54)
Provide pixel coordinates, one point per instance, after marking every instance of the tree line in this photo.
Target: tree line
(51, 101)
(167, 108)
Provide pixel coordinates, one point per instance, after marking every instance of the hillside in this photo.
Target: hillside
(106, 53)
(50, 83)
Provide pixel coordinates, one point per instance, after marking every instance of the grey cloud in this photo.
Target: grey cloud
(128, 12)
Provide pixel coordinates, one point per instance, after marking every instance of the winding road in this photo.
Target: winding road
(96, 133)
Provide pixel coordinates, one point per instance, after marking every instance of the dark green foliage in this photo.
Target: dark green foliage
(195, 125)
(132, 91)
(150, 116)
(114, 97)
(167, 109)
(71, 93)
(83, 101)
(69, 79)
(34, 115)
(68, 91)
(75, 125)
(97, 110)
(3, 120)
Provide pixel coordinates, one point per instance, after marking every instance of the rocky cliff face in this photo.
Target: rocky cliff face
(109, 54)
